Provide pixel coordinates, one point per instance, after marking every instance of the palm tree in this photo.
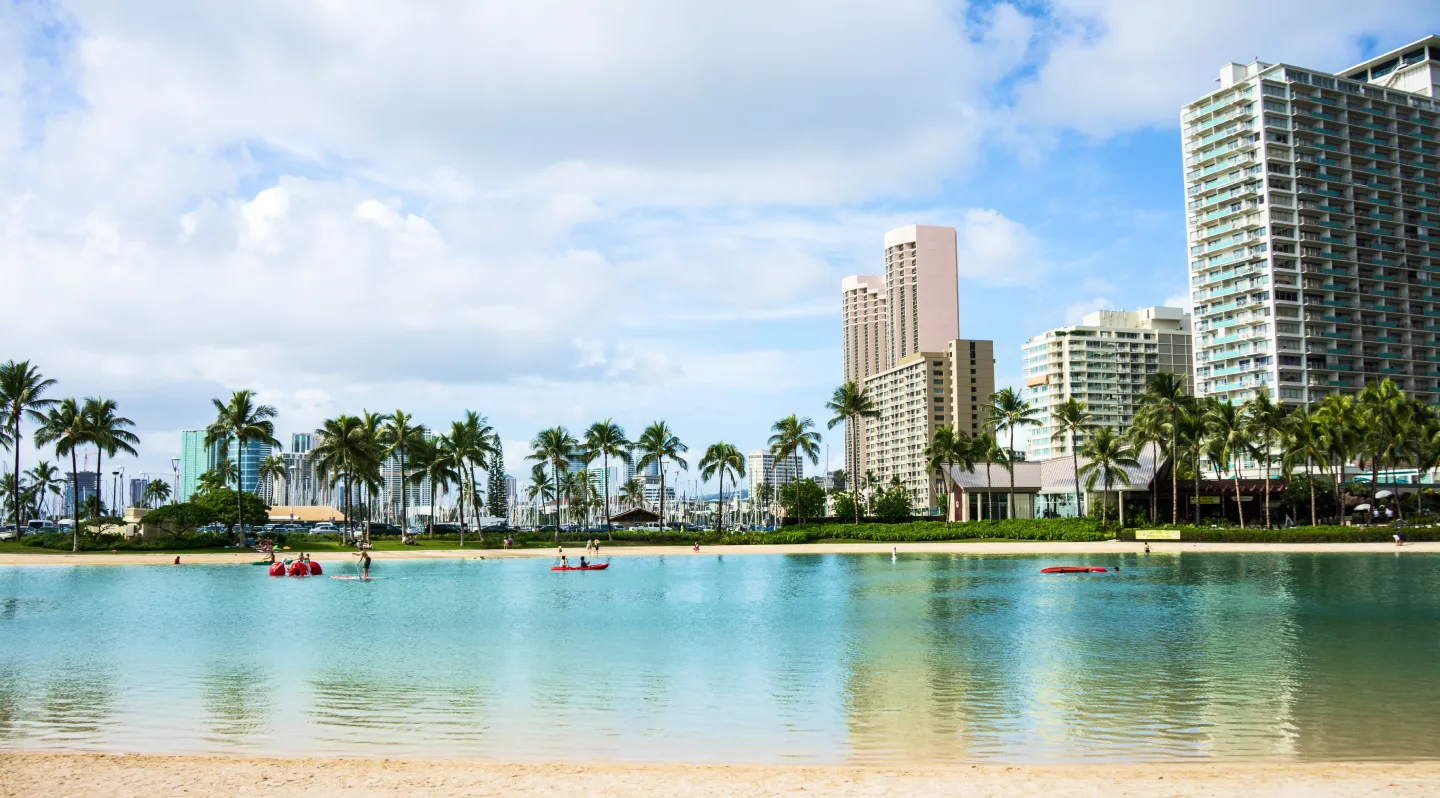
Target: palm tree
(606, 439)
(1008, 411)
(1072, 420)
(722, 458)
(340, 454)
(67, 428)
(109, 434)
(540, 491)
(241, 421)
(1165, 396)
(656, 444)
(1345, 426)
(632, 492)
(157, 491)
(1382, 407)
(1425, 455)
(272, 471)
(554, 447)
(1192, 436)
(476, 443)
(1108, 455)
(1303, 441)
(400, 436)
(428, 459)
(1265, 423)
(795, 437)
(22, 395)
(570, 487)
(1229, 432)
(985, 447)
(947, 449)
(1148, 429)
(850, 403)
(216, 478)
(44, 479)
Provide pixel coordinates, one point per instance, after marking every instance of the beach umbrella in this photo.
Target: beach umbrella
(1383, 494)
(1362, 506)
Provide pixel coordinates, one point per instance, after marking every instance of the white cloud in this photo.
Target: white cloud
(996, 250)
(1076, 311)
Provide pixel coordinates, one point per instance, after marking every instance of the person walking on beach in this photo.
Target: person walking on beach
(597, 547)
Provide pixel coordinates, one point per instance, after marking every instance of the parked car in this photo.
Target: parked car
(446, 529)
(37, 525)
(9, 532)
(324, 528)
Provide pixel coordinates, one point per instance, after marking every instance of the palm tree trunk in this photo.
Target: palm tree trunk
(74, 499)
(15, 490)
(1196, 498)
(1010, 467)
(854, 456)
(661, 462)
(1374, 489)
(720, 503)
(239, 485)
(431, 520)
(1174, 472)
(1075, 463)
(1339, 499)
(1267, 481)
(605, 458)
(1239, 505)
(989, 491)
(555, 466)
(99, 481)
(404, 506)
(1154, 466)
(475, 500)
(1309, 475)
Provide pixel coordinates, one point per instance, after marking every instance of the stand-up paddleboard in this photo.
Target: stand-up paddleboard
(1071, 569)
(602, 566)
(358, 578)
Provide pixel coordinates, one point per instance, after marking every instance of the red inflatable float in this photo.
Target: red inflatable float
(299, 568)
(277, 569)
(315, 568)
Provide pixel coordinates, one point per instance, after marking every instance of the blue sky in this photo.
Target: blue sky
(556, 212)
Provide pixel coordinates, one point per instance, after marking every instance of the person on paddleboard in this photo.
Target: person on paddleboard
(364, 563)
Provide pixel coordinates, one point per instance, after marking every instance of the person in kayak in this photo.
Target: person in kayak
(583, 564)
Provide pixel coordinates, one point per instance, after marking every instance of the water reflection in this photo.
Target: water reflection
(753, 658)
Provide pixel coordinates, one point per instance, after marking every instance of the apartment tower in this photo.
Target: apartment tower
(1313, 204)
(1104, 361)
(923, 374)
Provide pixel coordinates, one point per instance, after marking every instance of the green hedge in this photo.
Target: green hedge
(1066, 529)
(1302, 534)
(62, 541)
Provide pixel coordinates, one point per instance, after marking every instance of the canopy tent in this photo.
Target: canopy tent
(635, 515)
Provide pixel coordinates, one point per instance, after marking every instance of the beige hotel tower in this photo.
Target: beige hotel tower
(902, 345)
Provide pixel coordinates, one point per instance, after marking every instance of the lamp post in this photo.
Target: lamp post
(175, 464)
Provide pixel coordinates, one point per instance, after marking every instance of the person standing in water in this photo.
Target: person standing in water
(364, 563)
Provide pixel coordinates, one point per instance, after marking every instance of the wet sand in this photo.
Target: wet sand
(24, 774)
(606, 551)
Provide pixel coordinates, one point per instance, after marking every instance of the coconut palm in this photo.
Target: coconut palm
(657, 444)
(541, 492)
(399, 437)
(22, 396)
(569, 488)
(948, 449)
(1383, 410)
(1072, 421)
(1425, 455)
(1345, 427)
(1191, 437)
(1148, 429)
(849, 404)
(1007, 412)
(606, 439)
(719, 459)
(1108, 456)
(554, 447)
(216, 478)
(67, 429)
(984, 447)
(1265, 423)
(795, 439)
(342, 452)
(429, 464)
(475, 441)
(1165, 396)
(46, 482)
(157, 491)
(272, 471)
(1228, 430)
(632, 492)
(241, 421)
(1302, 441)
(110, 434)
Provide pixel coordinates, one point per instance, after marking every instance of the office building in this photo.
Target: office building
(1104, 361)
(890, 319)
(926, 390)
(761, 467)
(193, 462)
(88, 481)
(1313, 203)
(196, 458)
(137, 492)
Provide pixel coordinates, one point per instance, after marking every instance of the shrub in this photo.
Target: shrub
(221, 502)
(62, 541)
(892, 505)
(1303, 534)
(1067, 529)
(181, 517)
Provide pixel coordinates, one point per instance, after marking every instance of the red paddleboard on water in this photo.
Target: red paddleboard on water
(602, 566)
(1071, 569)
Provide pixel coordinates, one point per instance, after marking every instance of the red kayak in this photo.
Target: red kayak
(602, 566)
(1072, 569)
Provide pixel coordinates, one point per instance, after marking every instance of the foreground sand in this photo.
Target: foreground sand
(97, 775)
(953, 547)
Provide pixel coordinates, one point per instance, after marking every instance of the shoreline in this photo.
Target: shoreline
(129, 774)
(1113, 547)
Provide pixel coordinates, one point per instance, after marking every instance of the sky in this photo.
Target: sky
(561, 211)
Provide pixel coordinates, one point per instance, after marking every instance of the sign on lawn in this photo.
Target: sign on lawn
(1157, 534)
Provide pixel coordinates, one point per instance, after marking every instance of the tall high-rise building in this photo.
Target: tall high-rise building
(926, 390)
(914, 307)
(136, 495)
(196, 458)
(1104, 361)
(88, 482)
(193, 462)
(761, 467)
(1313, 205)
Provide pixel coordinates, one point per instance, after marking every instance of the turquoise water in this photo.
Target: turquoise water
(751, 658)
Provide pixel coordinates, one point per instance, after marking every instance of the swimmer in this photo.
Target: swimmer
(1147, 548)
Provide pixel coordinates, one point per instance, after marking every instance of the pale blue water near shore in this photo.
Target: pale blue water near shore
(745, 658)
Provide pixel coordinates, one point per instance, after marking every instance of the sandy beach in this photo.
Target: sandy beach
(953, 547)
(23, 774)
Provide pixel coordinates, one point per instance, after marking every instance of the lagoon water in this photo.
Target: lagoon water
(739, 658)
